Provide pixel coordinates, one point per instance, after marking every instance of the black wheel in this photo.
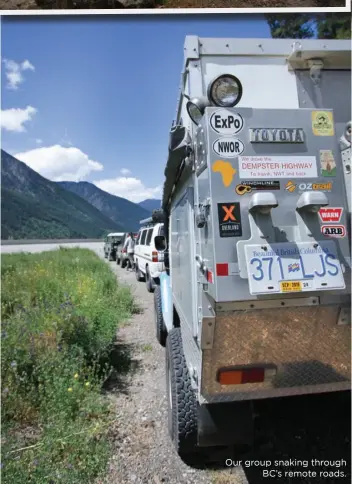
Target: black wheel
(161, 331)
(123, 263)
(182, 403)
(149, 281)
(117, 260)
(139, 275)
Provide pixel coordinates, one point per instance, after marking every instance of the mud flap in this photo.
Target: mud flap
(225, 424)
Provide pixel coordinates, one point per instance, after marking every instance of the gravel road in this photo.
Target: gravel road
(313, 427)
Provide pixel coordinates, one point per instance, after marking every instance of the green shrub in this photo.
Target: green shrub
(60, 311)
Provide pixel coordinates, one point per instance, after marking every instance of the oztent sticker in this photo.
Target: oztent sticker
(323, 123)
(277, 167)
(337, 231)
(303, 187)
(229, 219)
(249, 186)
(330, 214)
(226, 122)
(228, 147)
(226, 170)
(327, 163)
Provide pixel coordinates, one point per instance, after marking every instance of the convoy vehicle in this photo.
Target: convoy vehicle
(149, 263)
(121, 254)
(255, 299)
(111, 244)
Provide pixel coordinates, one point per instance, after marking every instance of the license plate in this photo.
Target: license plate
(288, 267)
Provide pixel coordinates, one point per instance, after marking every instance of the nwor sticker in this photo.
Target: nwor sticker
(228, 147)
(229, 219)
(226, 122)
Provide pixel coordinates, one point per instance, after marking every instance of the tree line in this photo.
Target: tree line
(310, 25)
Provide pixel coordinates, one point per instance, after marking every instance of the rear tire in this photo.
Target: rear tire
(139, 275)
(182, 403)
(148, 281)
(161, 331)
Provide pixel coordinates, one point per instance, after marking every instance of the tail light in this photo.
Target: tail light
(239, 376)
(155, 256)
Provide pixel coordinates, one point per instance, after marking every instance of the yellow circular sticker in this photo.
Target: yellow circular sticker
(322, 123)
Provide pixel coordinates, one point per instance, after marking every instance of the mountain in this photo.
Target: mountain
(118, 209)
(33, 207)
(150, 204)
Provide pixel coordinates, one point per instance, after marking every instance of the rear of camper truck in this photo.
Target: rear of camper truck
(255, 301)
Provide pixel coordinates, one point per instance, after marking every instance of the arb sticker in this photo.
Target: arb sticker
(248, 186)
(229, 219)
(226, 170)
(228, 147)
(226, 122)
(338, 231)
(322, 123)
(327, 163)
(330, 214)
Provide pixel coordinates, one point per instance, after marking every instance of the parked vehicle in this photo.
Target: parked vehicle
(148, 261)
(255, 299)
(111, 244)
(122, 256)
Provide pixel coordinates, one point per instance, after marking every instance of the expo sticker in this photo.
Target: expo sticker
(249, 186)
(322, 123)
(330, 214)
(302, 187)
(228, 147)
(277, 167)
(226, 122)
(230, 219)
(337, 231)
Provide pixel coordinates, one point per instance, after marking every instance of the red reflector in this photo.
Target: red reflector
(253, 375)
(210, 277)
(222, 269)
(228, 376)
(155, 257)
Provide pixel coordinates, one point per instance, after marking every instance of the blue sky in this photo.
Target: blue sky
(96, 95)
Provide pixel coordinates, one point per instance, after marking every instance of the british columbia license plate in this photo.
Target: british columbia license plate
(288, 267)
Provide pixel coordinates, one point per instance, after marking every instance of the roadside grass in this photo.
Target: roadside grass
(59, 312)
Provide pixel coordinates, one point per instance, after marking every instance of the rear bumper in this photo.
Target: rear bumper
(311, 352)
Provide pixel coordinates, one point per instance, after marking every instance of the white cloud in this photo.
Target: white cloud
(13, 72)
(125, 171)
(131, 188)
(13, 119)
(39, 141)
(59, 163)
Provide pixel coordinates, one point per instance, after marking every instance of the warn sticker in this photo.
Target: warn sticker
(338, 231)
(329, 214)
(229, 219)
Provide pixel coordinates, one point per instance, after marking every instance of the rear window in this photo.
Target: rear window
(149, 237)
(161, 230)
(144, 233)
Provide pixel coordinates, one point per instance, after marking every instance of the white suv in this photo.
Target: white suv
(149, 263)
